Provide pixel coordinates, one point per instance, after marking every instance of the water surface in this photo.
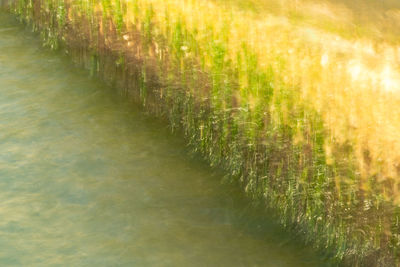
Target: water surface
(86, 179)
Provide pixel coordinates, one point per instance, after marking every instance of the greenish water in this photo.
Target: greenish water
(87, 179)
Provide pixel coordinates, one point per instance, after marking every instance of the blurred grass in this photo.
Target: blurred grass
(297, 99)
(376, 20)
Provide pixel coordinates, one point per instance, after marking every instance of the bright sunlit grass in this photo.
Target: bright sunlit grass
(354, 83)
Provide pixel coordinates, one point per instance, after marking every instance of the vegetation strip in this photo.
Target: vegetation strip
(291, 117)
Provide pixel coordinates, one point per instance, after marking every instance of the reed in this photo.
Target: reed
(305, 116)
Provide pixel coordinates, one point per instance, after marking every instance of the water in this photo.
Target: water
(86, 179)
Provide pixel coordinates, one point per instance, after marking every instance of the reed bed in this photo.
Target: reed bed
(304, 115)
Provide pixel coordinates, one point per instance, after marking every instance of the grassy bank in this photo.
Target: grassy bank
(304, 115)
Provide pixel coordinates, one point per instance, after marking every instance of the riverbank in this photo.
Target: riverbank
(289, 111)
(89, 179)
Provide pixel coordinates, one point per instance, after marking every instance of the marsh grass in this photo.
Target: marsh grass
(306, 118)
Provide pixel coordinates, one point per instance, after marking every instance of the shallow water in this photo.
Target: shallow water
(87, 179)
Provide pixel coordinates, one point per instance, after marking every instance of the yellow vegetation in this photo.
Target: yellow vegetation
(354, 83)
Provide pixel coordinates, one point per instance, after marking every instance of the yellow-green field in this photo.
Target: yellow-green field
(297, 99)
